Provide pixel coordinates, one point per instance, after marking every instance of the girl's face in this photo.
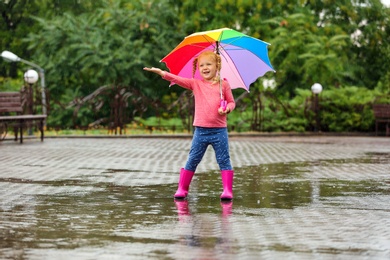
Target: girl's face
(207, 67)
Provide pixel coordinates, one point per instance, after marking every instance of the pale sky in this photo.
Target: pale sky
(386, 2)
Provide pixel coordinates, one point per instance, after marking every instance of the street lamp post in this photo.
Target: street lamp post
(10, 57)
(316, 89)
(30, 77)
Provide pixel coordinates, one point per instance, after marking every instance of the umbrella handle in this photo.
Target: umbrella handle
(223, 104)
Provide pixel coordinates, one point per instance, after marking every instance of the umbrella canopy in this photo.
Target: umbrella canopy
(244, 58)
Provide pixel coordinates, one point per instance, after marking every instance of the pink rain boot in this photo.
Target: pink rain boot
(184, 183)
(227, 184)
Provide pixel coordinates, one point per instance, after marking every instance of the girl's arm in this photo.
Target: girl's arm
(231, 104)
(183, 82)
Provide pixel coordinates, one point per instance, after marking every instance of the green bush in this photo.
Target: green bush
(342, 109)
(347, 109)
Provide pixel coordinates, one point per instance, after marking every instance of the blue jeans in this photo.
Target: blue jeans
(203, 137)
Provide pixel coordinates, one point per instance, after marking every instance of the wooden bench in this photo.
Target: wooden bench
(11, 110)
(382, 115)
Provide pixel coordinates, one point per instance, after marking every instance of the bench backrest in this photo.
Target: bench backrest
(10, 102)
(382, 111)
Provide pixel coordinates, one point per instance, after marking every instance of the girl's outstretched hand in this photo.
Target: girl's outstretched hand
(155, 70)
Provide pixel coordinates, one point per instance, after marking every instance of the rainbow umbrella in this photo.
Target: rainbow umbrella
(244, 58)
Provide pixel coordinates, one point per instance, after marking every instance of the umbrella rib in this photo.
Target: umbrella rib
(239, 73)
(207, 40)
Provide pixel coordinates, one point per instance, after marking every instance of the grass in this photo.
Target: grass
(128, 130)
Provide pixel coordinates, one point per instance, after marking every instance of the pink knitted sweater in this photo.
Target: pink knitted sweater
(207, 100)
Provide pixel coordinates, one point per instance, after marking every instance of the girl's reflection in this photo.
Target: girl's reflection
(195, 229)
(226, 208)
(183, 210)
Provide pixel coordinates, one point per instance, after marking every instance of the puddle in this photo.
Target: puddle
(129, 221)
(370, 158)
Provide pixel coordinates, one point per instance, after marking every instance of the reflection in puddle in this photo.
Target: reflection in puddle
(211, 234)
(147, 217)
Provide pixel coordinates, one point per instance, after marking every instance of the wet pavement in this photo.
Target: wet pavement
(296, 197)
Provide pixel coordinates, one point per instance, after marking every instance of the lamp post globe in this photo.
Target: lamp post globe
(316, 88)
(31, 76)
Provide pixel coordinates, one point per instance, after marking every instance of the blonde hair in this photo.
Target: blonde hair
(217, 59)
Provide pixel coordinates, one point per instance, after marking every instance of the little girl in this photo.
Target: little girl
(209, 121)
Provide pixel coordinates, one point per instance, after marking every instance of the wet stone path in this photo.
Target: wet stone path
(111, 198)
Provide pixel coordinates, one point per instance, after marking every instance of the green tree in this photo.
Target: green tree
(368, 23)
(14, 25)
(16, 22)
(324, 61)
(108, 47)
(305, 53)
